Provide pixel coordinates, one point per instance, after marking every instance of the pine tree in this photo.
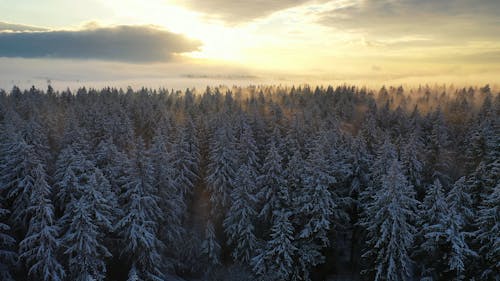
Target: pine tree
(19, 170)
(336, 149)
(69, 167)
(360, 162)
(118, 126)
(75, 177)
(388, 222)
(40, 246)
(316, 208)
(111, 162)
(474, 146)
(36, 136)
(275, 260)
(487, 173)
(294, 176)
(370, 132)
(295, 138)
(438, 154)
(270, 182)
(488, 223)
(433, 212)
(8, 255)
(171, 196)
(210, 248)
(459, 250)
(75, 136)
(460, 201)
(410, 158)
(133, 275)
(385, 155)
(434, 207)
(83, 242)
(444, 239)
(247, 148)
(102, 202)
(138, 228)
(185, 159)
(222, 168)
(239, 222)
(90, 209)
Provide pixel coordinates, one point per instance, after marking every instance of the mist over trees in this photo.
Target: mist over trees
(256, 183)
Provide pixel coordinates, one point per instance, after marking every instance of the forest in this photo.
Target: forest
(250, 183)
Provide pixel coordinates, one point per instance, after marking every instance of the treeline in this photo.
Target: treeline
(257, 183)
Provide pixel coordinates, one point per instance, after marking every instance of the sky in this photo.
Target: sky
(186, 43)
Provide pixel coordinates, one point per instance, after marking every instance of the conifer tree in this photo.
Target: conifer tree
(317, 208)
(239, 222)
(171, 197)
(275, 260)
(19, 177)
(138, 227)
(185, 159)
(270, 182)
(388, 222)
(443, 235)
(460, 201)
(410, 158)
(222, 168)
(8, 255)
(82, 241)
(111, 161)
(488, 223)
(210, 248)
(438, 154)
(40, 247)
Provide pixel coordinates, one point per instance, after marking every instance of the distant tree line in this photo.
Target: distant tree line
(256, 183)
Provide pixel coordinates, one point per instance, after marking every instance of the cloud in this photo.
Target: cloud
(451, 19)
(481, 57)
(238, 11)
(4, 26)
(119, 43)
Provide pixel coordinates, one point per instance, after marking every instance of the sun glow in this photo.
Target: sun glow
(270, 43)
(336, 39)
(219, 42)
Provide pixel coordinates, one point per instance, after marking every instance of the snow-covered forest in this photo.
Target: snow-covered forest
(256, 183)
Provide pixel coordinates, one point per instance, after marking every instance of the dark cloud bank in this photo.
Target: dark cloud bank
(451, 19)
(120, 43)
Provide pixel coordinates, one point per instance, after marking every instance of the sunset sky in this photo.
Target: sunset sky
(158, 42)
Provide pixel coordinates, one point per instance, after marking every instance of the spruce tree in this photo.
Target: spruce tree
(388, 220)
(139, 227)
(275, 260)
(488, 223)
(239, 222)
(222, 168)
(184, 157)
(40, 246)
(210, 248)
(82, 241)
(317, 207)
(8, 256)
(444, 240)
(270, 182)
(171, 196)
(19, 177)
